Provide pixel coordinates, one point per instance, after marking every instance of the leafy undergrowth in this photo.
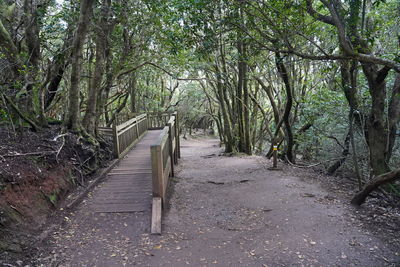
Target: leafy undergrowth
(37, 171)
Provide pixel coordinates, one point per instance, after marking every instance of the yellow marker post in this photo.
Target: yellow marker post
(275, 155)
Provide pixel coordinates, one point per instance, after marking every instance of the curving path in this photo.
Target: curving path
(225, 211)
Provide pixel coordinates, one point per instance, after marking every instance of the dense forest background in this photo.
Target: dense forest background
(319, 79)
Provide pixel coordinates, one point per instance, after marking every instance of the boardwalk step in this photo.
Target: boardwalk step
(120, 207)
(128, 187)
(156, 216)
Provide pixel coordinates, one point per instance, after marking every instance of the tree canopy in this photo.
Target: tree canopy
(318, 78)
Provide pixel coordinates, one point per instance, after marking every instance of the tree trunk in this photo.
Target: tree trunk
(133, 93)
(289, 102)
(33, 45)
(246, 106)
(376, 124)
(120, 107)
(89, 119)
(102, 33)
(73, 118)
(59, 65)
(393, 116)
(389, 177)
(229, 144)
(348, 81)
(239, 96)
(105, 92)
(219, 127)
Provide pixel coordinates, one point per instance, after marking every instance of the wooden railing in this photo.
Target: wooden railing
(164, 155)
(106, 132)
(165, 152)
(158, 120)
(128, 134)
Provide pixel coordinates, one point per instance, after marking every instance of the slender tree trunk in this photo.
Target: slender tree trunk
(89, 119)
(59, 65)
(289, 103)
(105, 92)
(354, 150)
(9, 49)
(132, 92)
(377, 131)
(348, 71)
(246, 105)
(33, 45)
(73, 118)
(393, 117)
(345, 152)
(254, 118)
(229, 144)
(219, 127)
(239, 96)
(102, 34)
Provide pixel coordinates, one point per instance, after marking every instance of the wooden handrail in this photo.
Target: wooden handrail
(165, 152)
(128, 134)
(106, 131)
(164, 155)
(158, 120)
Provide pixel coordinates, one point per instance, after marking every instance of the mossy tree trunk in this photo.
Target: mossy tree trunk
(102, 34)
(73, 122)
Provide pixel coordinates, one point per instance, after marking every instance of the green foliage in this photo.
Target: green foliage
(53, 198)
(3, 115)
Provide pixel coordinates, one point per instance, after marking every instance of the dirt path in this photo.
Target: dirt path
(224, 211)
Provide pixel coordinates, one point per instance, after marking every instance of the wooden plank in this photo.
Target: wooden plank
(122, 201)
(128, 187)
(116, 141)
(132, 170)
(165, 178)
(126, 197)
(117, 190)
(124, 194)
(101, 176)
(178, 142)
(120, 207)
(136, 195)
(122, 154)
(131, 176)
(129, 173)
(125, 124)
(156, 216)
(157, 170)
(135, 164)
(125, 180)
(122, 188)
(171, 148)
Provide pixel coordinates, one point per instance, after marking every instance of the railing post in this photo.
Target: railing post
(178, 141)
(171, 149)
(115, 140)
(157, 171)
(137, 129)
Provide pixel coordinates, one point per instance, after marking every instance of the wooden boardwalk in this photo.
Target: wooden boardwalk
(128, 186)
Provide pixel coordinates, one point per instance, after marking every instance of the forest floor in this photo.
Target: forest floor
(230, 211)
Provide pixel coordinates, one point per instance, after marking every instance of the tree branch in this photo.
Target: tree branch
(316, 15)
(158, 67)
